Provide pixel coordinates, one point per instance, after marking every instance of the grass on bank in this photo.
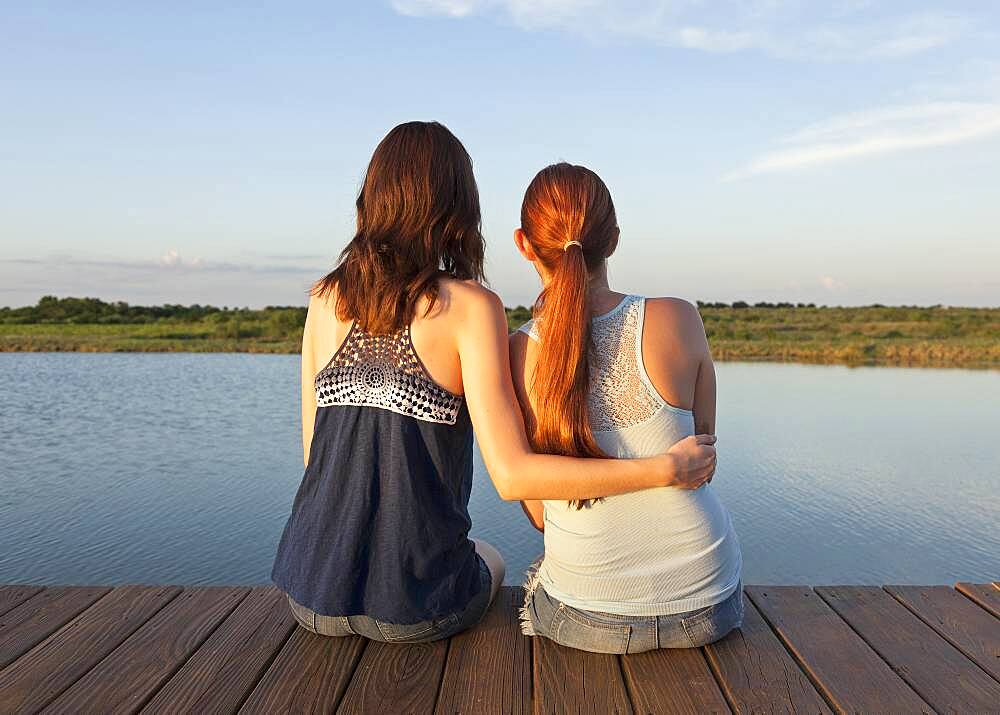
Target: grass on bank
(925, 336)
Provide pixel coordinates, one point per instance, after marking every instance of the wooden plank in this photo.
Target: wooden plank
(575, 681)
(959, 621)
(309, 675)
(27, 625)
(672, 680)
(935, 669)
(124, 680)
(396, 678)
(489, 666)
(848, 673)
(986, 595)
(15, 594)
(41, 674)
(225, 669)
(756, 673)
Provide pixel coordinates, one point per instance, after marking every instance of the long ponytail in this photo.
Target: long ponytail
(569, 220)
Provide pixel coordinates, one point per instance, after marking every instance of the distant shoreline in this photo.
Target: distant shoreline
(871, 335)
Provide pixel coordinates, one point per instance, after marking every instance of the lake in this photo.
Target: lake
(181, 468)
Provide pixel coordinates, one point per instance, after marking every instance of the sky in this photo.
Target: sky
(842, 153)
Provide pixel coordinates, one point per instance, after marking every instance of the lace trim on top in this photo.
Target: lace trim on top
(384, 371)
(620, 394)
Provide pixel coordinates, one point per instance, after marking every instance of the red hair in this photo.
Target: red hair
(569, 220)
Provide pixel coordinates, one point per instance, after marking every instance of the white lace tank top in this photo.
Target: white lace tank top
(655, 552)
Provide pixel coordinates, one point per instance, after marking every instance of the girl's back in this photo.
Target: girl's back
(660, 551)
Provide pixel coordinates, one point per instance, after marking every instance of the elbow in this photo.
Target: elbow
(505, 485)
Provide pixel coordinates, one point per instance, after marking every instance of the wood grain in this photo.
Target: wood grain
(985, 595)
(672, 681)
(756, 673)
(575, 681)
(225, 669)
(40, 675)
(15, 594)
(489, 666)
(309, 675)
(28, 624)
(849, 674)
(396, 678)
(126, 678)
(956, 619)
(935, 669)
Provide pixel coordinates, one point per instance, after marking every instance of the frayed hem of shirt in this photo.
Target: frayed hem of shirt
(531, 582)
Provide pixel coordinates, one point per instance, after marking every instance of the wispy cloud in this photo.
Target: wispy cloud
(170, 262)
(879, 131)
(841, 31)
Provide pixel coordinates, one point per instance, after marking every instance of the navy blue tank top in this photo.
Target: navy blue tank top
(379, 526)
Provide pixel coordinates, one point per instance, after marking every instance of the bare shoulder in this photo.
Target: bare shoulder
(676, 311)
(468, 298)
(675, 317)
(323, 305)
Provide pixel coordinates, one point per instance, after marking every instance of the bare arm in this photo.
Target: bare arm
(517, 472)
(535, 511)
(704, 387)
(308, 389)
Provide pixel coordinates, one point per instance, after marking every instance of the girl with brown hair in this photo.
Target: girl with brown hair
(404, 352)
(600, 373)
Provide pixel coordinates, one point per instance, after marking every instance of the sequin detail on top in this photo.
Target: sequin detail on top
(618, 396)
(384, 371)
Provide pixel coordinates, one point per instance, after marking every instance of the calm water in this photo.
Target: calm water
(181, 468)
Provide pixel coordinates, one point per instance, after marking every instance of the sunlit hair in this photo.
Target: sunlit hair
(566, 203)
(418, 219)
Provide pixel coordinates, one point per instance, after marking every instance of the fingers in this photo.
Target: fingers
(705, 439)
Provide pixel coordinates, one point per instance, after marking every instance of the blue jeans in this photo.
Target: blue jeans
(376, 630)
(599, 632)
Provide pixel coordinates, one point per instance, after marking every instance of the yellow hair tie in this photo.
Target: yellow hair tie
(572, 243)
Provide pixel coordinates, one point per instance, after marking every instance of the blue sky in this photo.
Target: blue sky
(758, 150)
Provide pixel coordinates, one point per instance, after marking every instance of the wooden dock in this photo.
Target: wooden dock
(172, 649)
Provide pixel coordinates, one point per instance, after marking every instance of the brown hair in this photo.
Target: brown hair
(418, 219)
(566, 203)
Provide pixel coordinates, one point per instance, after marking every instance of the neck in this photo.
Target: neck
(597, 283)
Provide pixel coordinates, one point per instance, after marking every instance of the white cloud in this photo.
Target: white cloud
(843, 31)
(831, 283)
(172, 259)
(879, 131)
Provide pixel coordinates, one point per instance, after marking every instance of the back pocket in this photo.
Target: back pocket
(577, 629)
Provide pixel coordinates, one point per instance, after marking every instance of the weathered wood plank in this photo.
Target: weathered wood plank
(849, 674)
(756, 673)
(672, 681)
(124, 680)
(958, 620)
(27, 625)
(396, 678)
(987, 595)
(575, 681)
(309, 675)
(935, 669)
(225, 669)
(489, 667)
(40, 675)
(15, 594)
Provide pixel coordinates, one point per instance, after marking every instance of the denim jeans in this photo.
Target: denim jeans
(600, 632)
(422, 632)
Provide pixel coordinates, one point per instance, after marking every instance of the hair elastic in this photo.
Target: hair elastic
(572, 243)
